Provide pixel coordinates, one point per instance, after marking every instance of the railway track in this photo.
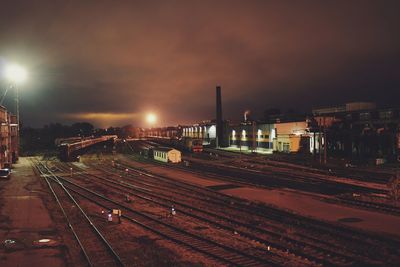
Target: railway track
(367, 175)
(95, 248)
(288, 179)
(339, 199)
(369, 205)
(374, 206)
(276, 176)
(272, 240)
(217, 251)
(321, 252)
(318, 228)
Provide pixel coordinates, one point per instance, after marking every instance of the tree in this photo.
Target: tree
(82, 129)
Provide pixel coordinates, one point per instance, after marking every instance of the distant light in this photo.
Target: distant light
(151, 118)
(16, 73)
(298, 132)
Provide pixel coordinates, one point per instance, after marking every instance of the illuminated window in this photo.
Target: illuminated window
(365, 116)
(273, 133)
(233, 134)
(385, 114)
(212, 132)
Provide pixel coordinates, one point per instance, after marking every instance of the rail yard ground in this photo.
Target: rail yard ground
(308, 204)
(25, 220)
(228, 212)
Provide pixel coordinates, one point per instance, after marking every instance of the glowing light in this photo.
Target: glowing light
(151, 118)
(212, 132)
(298, 132)
(16, 73)
(273, 134)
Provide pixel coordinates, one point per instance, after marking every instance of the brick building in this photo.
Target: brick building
(9, 138)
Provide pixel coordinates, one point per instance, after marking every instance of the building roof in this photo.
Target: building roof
(164, 149)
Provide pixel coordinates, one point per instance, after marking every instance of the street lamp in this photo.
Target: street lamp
(16, 75)
(151, 118)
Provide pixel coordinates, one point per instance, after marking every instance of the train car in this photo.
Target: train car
(70, 151)
(166, 154)
(68, 140)
(197, 145)
(191, 144)
(64, 152)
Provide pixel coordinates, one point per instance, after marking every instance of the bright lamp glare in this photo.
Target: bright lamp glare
(151, 118)
(16, 73)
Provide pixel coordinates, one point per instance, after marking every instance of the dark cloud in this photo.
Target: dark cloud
(125, 58)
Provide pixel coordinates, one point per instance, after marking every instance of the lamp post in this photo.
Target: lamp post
(16, 75)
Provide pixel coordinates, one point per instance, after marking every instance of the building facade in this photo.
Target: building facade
(9, 138)
(252, 136)
(363, 131)
(357, 130)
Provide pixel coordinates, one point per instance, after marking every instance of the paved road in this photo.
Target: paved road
(24, 220)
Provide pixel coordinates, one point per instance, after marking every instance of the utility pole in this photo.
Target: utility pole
(219, 122)
(320, 141)
(325, 142)
(254, 136)
(18, 119)
(240, 150)
(314, 142)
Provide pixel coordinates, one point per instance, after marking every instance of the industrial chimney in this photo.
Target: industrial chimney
(219, 118)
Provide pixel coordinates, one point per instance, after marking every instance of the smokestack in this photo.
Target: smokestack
(246, 115)
(219, 117)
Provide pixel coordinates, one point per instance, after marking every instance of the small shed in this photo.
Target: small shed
(166, 154)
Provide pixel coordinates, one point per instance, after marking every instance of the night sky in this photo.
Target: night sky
(111, 62)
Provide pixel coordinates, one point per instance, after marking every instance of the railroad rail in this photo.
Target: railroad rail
(377, 176)
(369, 205)
(348, 234)
(95, 248)
(374, 206)
(315, 229)
(213, 249)
(271, 240)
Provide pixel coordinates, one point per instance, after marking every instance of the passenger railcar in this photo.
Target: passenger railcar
(166, 154)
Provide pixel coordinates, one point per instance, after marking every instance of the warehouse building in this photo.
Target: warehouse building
(9, 138)
(362, 131)
(204, 130)
(292, 137)
(252, 136)
(358, 130)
